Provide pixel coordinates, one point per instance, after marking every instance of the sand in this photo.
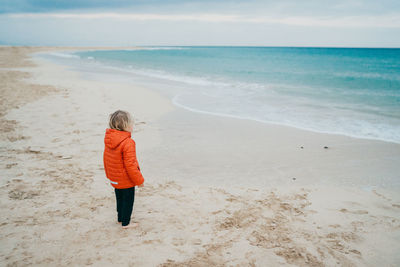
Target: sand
(218, 191)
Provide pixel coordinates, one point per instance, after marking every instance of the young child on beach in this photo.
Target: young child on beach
(121, 165)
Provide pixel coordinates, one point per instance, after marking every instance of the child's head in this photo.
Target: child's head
(121, 120)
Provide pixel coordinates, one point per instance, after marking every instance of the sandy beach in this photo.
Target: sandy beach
(218, 191)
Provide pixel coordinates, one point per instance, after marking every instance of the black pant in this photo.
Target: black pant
(125, 198)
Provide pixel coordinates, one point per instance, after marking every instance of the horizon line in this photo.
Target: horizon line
(227, 46)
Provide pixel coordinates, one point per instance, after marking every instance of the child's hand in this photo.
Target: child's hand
(141, 185)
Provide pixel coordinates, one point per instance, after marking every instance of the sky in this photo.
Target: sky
(338, 23)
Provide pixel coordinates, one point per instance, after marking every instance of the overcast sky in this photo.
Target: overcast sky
(343, 23)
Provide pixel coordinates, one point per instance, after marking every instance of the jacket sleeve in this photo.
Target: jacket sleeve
(131, 163)
(104, 163)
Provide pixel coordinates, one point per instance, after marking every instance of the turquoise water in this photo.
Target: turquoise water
(350, 91)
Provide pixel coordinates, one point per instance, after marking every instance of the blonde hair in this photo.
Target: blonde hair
(120, 120)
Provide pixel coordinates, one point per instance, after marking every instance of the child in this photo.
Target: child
(121, 165)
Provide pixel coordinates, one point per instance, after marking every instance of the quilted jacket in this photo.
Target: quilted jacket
(119, 157)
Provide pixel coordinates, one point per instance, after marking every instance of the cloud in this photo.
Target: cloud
(16, 6)
(34, 6)
(365, 23)
(282, 7)
(132, 16)
(379, 21)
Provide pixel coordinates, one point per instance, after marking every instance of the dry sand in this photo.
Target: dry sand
(218, 191)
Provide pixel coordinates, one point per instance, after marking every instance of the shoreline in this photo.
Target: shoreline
(185, 87)
(218, 191)
(282, 125)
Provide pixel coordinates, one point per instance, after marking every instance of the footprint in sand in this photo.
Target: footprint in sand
(20, 195)
(196, 242)
(8, 166)
(354, 212)
(381, 196)
(178, 241)
(152, 241)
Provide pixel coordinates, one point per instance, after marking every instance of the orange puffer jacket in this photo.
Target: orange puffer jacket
(120, 163)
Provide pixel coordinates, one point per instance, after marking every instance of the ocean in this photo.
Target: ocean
(347, 91)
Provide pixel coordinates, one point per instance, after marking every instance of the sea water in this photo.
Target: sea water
(348, 91)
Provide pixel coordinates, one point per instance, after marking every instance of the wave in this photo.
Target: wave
(371, 75)
(62, 55)
(162, 48)
(356, 128)
(166, 75)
